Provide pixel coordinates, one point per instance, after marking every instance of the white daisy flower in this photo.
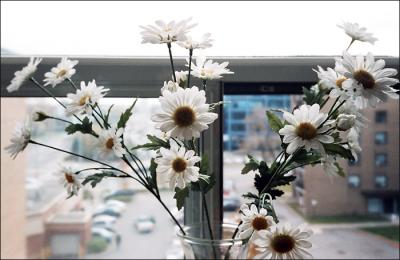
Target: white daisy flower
(350, 108)
(353, 143)
(181, 77)
(357, 33)
(190, 44)
(177, 166)
(330, 79)
(166, 32)
(110, 142)
(368, 79)
(70, 180)
(253, 220)
(64, 70)
(207, 69)
(329, 165)
(305, 129)
(170, 86)
(24, 74)
(20, 138)
(185, 113)
(283, 242)
(344, 122)
(84, 98)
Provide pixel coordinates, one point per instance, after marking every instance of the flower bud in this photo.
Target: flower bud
(170, 86)
(344, 122)
(39, 116)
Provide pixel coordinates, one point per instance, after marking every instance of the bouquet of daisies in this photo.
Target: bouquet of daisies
(321, 131)
(184, 115)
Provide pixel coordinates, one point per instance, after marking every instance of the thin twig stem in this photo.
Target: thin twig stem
(171, 61)
(50, 94)
(190, 66)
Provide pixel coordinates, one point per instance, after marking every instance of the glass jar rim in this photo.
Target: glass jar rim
(198, 240)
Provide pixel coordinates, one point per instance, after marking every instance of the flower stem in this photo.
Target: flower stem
(351, 42)
(171, 60)
(325, 101)
(208, 222)
(94, 168)
(233, 237)
(59, 119)
(81, 156)
(190, 66)
(50, 94)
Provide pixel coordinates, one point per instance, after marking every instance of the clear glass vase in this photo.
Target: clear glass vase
(197, 245)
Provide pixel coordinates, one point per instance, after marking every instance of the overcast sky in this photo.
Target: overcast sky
(239, 28)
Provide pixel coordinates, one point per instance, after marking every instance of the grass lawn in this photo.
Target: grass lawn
(337, 219)
(390, 232)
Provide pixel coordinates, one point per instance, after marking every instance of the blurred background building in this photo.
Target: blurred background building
(371, 185)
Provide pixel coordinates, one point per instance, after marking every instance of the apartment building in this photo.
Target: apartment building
(371, 185)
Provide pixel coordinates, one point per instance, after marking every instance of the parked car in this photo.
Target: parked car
(104, 233)
(108, 212)
(116, 204)
(124, 192)
(145, 224)
(229, 187)
(231, 204)
(104, 221)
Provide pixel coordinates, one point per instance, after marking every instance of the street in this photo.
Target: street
(142, 246)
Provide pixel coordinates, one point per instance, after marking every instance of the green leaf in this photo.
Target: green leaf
(250, 195)
(274, 122)
(154, 144)
(85, 127)
(311, 98)
(94, 179)
(204, 165)
(180, 196)
(153, 179)
(340, 172)
(337, 149)
(251, 165)
(204, 184)
(266, 182)
(125, 116)
(108, 115)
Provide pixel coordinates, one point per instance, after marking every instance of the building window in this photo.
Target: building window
(380, 159)
(354, 181)
(380, 116)
(238, 115)
(381, 138)
(380, 181)
(238, 127)
(356, 162)
(375, 205)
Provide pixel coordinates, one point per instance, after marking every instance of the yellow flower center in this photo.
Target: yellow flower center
(179, 165)
(83, 100)
(259, 223)
(110, 143)
(364, 78)
(306, 131)
(339, 81)
(282, 243)
(184, 116)
(69, 178)
(205, 72)
(61, 73)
